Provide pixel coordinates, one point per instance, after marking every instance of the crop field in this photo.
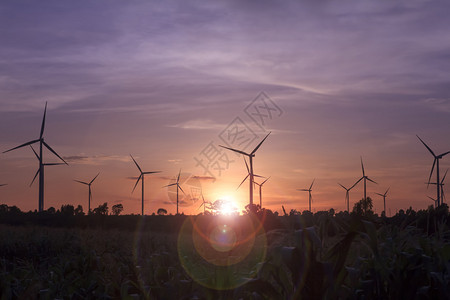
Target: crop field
(262, 256)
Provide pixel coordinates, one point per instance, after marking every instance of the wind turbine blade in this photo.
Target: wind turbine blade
(265, 181)
(386, 191)
(443, 178)
(136, 163)
(379, 194)
(312, 184)
(431, 198)
(370, 180)
(81, 182)
(259, 176)
(180, 188)
(444, 154)
(178, 178)
(23, 145)
(342, 186)
(137, 181)
(362, 167)
(259, 145)
(43, 122)
(429, 149)
(53, 151)
(243, 181)
(35, 153)
(172, 184)
(94, 178)
(356, 183)
(246, 165)
(34, 178)
(303, 190)
(432, 169)
(53, 164)
(235, 150)
(152, 172)
(3, 184)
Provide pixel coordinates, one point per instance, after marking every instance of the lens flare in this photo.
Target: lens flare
(222, 252)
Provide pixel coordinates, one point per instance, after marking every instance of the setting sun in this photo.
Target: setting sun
(226, 205)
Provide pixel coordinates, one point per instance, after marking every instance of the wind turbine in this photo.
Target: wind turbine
(434, 200)
(435, 162)
(441, 185)
(250, 156)
(42, 143)
(309, 191)
(141, 177)
(365, 178)
(177, 183)
(260, 191)
(90, 193)
(384, 199)
(347, 193)
(204, 204)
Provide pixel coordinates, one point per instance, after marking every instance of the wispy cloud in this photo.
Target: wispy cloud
(95, 159)
(200, 124)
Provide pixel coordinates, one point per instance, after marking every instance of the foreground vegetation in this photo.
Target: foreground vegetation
(295, 256)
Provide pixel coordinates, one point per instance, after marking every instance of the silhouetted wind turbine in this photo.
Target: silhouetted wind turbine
(250, 156)
(141, 177)
(260, 190)
(365, 178)
(435, 162)
(40, 157)
(177, 184)
(204, 204)
(441, 185)
(434, 200)
(347, 193)
(90, 193)
(309, 191)
(384, 199)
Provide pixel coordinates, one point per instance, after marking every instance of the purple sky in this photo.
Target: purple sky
(162, 79)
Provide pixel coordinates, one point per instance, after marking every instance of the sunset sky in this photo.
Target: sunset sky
(165, 80)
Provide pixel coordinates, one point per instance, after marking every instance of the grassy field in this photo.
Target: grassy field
(321, 256)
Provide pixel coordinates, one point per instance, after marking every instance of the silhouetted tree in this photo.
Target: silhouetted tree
(117, 209)
(363, 207)
(79, 210)
(162, 211)
(51, 210)
(101, 209)
(67, 210)
(3, 208)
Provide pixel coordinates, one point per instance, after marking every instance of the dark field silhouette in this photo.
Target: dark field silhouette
(258, 255)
